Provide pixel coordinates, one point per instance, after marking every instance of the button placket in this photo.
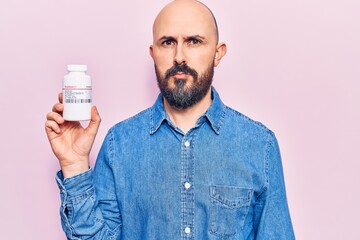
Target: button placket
(187, 194)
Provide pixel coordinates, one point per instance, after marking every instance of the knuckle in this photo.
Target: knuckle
(48, 116)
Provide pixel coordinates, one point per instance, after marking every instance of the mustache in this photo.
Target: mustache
(181, 68)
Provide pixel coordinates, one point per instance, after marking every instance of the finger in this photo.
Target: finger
(56, 117)
(94, 121)
(60, 97)
(58, 107)
(51, 126)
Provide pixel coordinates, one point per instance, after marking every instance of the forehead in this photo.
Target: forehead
(184, 20)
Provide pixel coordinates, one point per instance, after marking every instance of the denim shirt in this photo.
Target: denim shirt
(223, 179)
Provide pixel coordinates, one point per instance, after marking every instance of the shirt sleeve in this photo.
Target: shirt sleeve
(272, 218)
(83, 215)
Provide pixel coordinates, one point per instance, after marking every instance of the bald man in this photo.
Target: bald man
(189, 167)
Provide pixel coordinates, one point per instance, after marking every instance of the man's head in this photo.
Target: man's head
(185, 51)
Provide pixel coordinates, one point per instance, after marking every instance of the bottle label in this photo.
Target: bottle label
(73, 94)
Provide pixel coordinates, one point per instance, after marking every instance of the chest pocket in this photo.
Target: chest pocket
(228, 210)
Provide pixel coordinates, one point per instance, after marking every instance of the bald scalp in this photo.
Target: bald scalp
(214, 19)
(184, 6)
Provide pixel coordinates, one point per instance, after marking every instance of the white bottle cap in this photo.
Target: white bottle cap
(77, 68)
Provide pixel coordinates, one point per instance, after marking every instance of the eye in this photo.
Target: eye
(168, 42)
(194, 41)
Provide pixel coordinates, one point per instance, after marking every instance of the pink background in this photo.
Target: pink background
(293, 65)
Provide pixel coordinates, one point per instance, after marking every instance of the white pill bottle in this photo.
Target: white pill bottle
(77, 94)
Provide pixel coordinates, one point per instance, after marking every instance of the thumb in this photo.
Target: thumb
(94, 122)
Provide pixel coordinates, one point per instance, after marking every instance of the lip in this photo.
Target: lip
(180, 75)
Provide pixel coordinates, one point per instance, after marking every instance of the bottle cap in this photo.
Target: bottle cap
(76, 68)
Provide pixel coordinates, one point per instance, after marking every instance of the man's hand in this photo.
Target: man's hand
(70, 142)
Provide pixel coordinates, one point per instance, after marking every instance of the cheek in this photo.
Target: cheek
(163, 62)
(162, 70)
(200, 60)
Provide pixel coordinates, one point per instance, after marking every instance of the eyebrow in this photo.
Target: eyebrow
(163, 38)
(197, 36)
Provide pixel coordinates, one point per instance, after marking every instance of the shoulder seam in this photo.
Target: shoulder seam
(269, 144)
(246, 118)
(111, 147)
(131, 118)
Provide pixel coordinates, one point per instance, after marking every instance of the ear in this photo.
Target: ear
(220, 52)
(151, 51)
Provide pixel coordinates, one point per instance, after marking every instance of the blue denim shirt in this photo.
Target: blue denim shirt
(221, 180)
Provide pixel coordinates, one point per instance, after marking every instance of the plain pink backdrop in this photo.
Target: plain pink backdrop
(293, 65)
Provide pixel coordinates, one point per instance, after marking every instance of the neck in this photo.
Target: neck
(185, 119)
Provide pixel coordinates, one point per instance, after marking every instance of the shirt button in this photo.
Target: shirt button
(187, 185)
(187, 230)
(187, 144)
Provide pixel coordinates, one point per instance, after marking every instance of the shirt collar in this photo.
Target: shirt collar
(215, 114)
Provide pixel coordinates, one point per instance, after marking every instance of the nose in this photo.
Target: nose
(179, 57)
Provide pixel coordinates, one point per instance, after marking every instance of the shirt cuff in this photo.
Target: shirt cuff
(75, 185)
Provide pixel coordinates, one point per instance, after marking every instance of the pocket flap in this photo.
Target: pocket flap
(233, 197)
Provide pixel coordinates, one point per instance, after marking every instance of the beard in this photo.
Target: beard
(184, 95)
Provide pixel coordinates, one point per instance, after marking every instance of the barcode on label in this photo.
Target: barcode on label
(77, 100)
